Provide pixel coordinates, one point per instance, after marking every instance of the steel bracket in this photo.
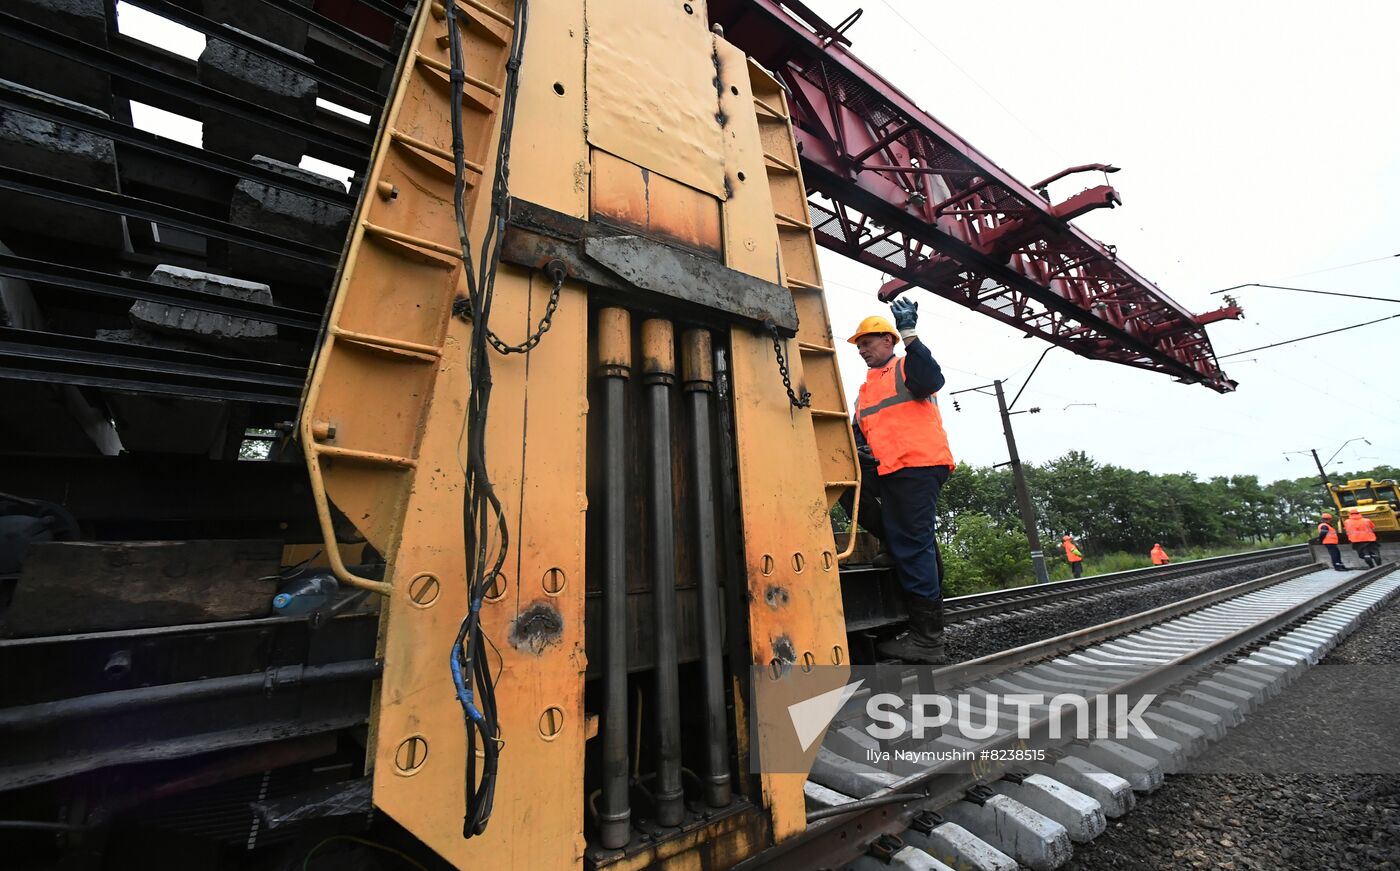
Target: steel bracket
(924, 822)
(885, 846)
(665, 275)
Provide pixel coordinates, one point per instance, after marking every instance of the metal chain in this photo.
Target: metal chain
(558, 271)
(803, 401)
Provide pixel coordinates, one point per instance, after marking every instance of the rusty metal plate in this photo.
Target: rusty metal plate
(652, 97)
(683, 276)
(599, 255)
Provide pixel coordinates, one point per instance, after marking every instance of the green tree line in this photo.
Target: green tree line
(1113, 511)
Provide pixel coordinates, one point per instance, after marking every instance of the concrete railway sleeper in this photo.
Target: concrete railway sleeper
(1180, 675)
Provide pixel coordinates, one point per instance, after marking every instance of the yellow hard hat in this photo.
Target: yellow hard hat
(873, 324)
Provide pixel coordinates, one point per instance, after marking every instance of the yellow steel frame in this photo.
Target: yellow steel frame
(383, 415)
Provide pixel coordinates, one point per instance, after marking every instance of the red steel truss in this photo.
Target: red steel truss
(893, 188)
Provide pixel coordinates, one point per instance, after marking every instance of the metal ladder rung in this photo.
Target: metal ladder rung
(769, 109)
(440, 12)
(822, 412)
(366, 456)
(815, 349)
(791, 221)
(416, 241)
(434, 150)
(430, 352)
(446, 69)
(842, 484)
(489, 12)
(783, 164)
(800, 284)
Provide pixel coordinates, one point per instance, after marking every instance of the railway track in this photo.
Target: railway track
(1017, 598)
(1029, 790)
(872, 599)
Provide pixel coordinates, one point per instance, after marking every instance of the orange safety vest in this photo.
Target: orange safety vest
(1328, 532)
(1071, 552)
(1159, 556)
(902, 430)
(1360, 529)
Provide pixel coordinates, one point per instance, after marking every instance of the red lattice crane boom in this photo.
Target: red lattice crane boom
(891, 187)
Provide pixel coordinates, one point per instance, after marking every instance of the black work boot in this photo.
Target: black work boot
(923, 643)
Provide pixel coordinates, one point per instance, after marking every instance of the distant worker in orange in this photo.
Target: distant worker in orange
(1327, 537)
(1159, 556)
(1361, 532)
(1076, 559)
(899, 426)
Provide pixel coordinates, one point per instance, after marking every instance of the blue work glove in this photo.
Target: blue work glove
(906, 315)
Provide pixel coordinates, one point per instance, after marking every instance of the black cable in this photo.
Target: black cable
(1304, 338)
(1048, 349)
(40, 826)
(481, 507)
(1308, 290)
(863, 804)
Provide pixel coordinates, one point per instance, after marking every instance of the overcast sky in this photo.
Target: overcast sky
(1259, 142)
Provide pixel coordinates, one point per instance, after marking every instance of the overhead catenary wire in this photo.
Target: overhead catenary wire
(1305, 338)
(1171, 421)
(1307, 290)
(957, 66)
(1344, 266)
(1048, 349)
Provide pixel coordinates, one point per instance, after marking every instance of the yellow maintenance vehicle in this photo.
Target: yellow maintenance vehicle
(452, 513)
(1377, 500)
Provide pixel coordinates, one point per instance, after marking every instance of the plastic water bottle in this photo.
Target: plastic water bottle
(305, 595)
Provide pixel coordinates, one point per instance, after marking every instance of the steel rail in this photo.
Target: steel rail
(272, 52)
(331, 27)
(350, 151)
(1015, 598)
(282, 678)
(55, 358)
(101, 125)
(125, 287)
(833, 841)
(103, 200)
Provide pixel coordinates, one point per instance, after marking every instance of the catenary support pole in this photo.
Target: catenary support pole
(1320, 471)
(1023, 496)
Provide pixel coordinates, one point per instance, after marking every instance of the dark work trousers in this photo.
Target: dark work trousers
(1335, 553)
(1076, 568)
(901, 509)
(1368, 550)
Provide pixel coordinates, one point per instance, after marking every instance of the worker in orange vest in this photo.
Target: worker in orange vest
(1159, 556)
(898, 426)
(1076, 559)
(1327, 537)
(1361, 532)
